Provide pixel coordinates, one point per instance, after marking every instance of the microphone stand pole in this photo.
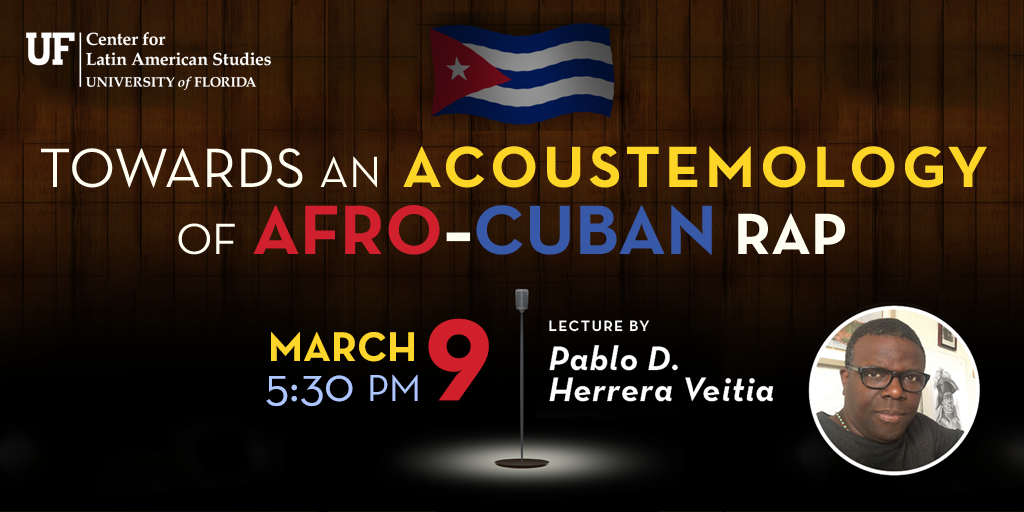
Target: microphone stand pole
(521, 385)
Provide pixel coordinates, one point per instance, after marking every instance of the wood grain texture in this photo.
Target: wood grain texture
(354, 79)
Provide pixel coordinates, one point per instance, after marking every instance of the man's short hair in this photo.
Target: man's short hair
(882, 327)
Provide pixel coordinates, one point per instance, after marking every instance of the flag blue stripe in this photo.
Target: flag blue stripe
(528, 115)
(567, 69)
(528, 44)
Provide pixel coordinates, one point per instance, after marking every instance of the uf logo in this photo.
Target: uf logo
(58, 47)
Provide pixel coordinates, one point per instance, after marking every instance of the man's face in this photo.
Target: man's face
(881, 415)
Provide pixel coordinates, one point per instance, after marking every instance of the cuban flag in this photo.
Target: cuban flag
(522, 79)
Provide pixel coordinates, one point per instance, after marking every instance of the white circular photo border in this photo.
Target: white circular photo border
(814, 415)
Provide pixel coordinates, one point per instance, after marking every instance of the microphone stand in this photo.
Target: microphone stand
(521, 463)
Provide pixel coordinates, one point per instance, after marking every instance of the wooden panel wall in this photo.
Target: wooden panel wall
(353, 78)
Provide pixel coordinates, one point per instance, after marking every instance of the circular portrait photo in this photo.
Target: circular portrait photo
(894, 390)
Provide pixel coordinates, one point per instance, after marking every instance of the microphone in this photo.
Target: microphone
(522, 299)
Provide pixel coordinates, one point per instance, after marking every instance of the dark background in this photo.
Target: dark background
(134, 375)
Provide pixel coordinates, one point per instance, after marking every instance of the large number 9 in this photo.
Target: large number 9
(467, 366)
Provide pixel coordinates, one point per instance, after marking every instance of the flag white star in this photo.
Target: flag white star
(458, 69)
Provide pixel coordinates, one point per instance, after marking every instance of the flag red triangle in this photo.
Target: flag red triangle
(449, 84)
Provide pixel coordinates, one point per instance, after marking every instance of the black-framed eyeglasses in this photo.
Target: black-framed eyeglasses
(879, 378)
